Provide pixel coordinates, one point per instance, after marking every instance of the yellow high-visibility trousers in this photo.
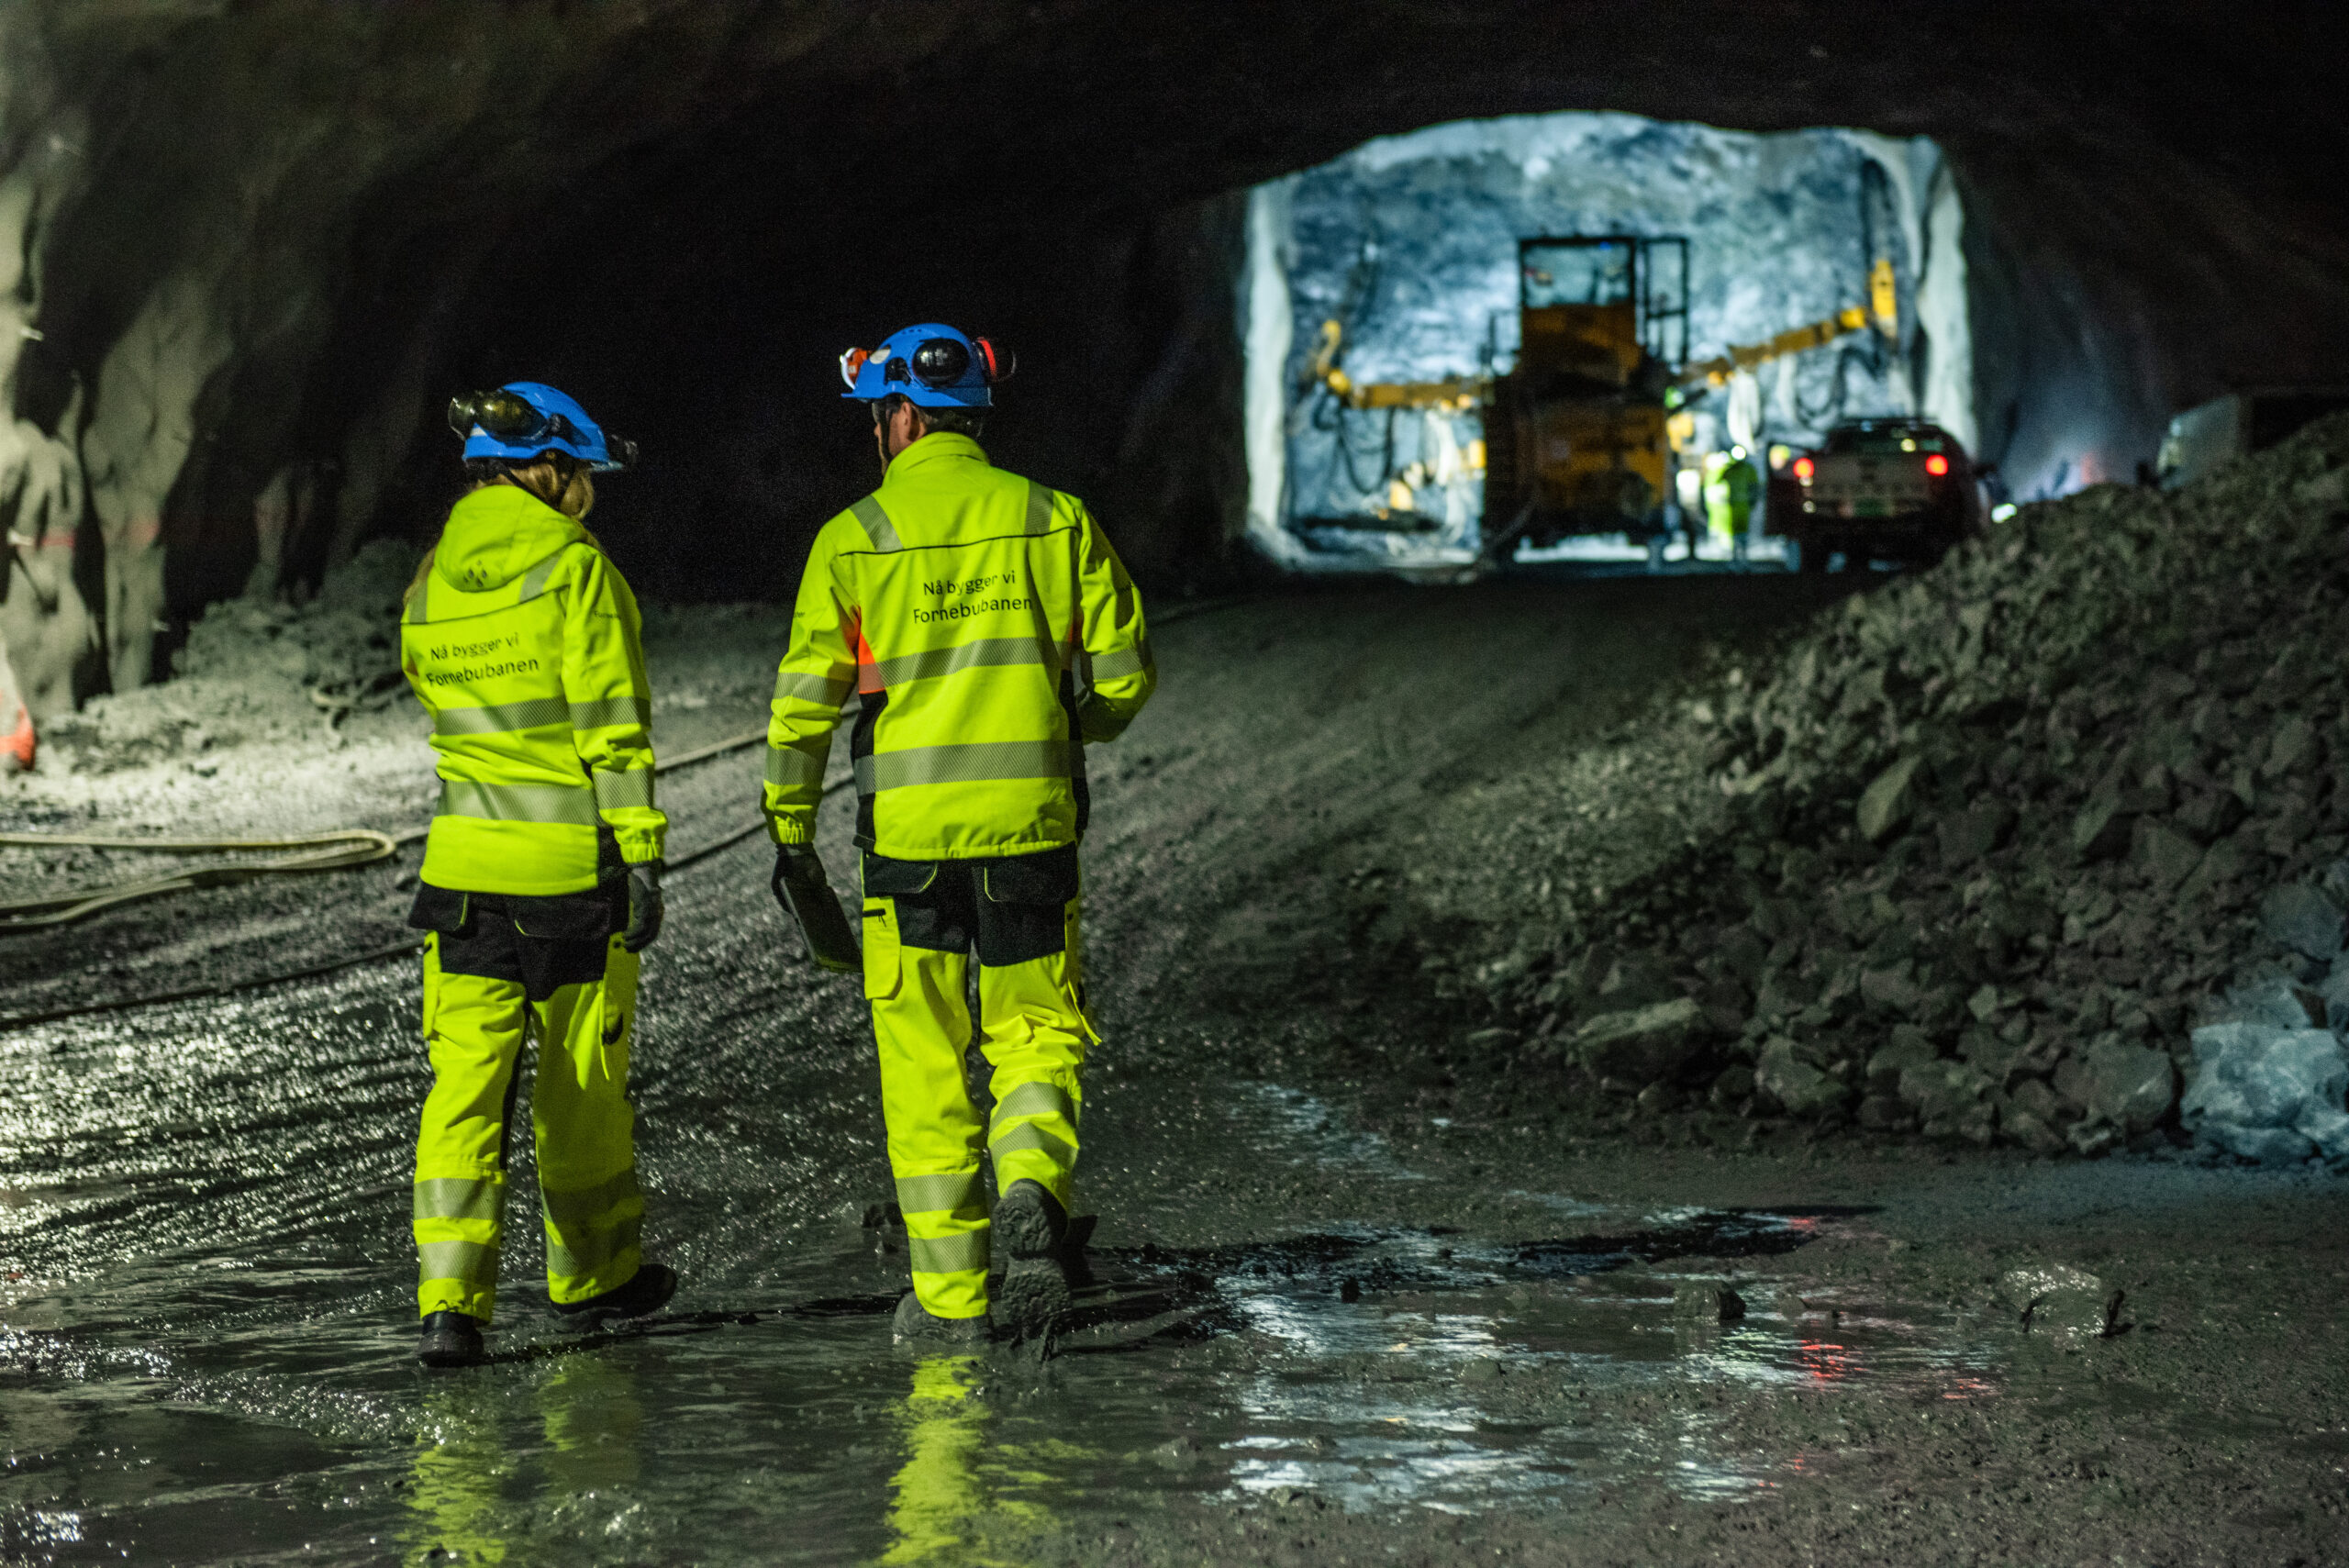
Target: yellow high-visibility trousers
(486, 986)
(923, 920)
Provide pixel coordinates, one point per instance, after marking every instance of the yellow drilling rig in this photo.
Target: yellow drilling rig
(1580, 435)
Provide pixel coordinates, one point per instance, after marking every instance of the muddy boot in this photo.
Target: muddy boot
(451, 1339)
(1032, 1225)
(914, 1322)
(648, 1290)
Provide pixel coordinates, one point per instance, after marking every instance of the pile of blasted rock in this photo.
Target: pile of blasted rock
(2002, 832)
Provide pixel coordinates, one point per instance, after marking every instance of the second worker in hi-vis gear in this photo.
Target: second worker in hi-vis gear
(541, 879)
(988, 631)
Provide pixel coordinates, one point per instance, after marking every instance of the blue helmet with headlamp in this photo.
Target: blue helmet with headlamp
(931, 366)
(526, 419)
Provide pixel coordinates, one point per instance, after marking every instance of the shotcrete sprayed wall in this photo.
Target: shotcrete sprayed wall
(1409, 242)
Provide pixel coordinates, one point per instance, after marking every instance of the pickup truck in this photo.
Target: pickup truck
(1896, 490)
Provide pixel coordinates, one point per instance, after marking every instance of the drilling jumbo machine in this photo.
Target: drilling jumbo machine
(1580, 435)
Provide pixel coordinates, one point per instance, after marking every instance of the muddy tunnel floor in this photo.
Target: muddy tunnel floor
(1340, 1312)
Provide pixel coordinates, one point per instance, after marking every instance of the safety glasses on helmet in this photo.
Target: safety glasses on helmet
(936, 361)
(511, 419)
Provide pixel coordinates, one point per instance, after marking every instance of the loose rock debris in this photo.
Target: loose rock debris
(2002, 834)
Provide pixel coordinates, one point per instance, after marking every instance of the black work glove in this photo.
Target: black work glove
(644, 906)
(806, 894)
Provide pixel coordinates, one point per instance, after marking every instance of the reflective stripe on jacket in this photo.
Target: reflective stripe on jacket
(524, 644)
(989, 630)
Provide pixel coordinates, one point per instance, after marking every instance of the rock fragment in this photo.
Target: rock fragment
(1795, 1084)
(2071, 1307)
(1642, 1045)
(1908, 1047)
(2128, 1086)
(2299, 917)
(1707, 1301)
(1973, 833)
(1888, 802)
(2267, 1094)
(2169, 856)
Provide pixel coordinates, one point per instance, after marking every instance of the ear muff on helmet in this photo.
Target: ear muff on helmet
(998, 361)
(851, 362)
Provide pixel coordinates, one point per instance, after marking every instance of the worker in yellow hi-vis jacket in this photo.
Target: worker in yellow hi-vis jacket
(542, 875)
(989, 632)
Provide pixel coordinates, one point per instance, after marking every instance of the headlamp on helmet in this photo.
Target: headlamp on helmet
(933, 366)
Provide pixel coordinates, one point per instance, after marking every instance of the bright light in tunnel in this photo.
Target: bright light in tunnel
(1386, 308)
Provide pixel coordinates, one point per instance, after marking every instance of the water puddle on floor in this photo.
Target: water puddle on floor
(1378, 1368)
(254, 1399)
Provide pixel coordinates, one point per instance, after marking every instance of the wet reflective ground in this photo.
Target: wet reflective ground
(206, 1351)
(1338, 1318)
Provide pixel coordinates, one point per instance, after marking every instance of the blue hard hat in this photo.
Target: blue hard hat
(933, 365)
(524, 420)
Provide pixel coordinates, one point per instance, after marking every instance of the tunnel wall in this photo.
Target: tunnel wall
(249, 249)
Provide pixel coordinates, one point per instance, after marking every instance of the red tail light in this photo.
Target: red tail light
(1805, 468)
(1937, 465)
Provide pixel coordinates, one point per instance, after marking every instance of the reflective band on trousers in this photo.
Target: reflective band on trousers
(503, 717)
(1028, 1135)
(473, 1261)
(587, 1251)
(1034, 1099)
(614, 791)
(945, 1254)
(788, 766)
(1119, 663)
(519, 803)
(978, 653)
(459, 1198)
(877, 525)
(933, 1195)
(790, 685)
(974, 763)
(586, 1208)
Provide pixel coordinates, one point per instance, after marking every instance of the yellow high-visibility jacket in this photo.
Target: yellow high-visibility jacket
(524, 644)
(989, 630)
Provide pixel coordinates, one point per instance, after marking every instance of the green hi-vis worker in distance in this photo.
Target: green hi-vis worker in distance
(541, 876)
(1731, 487)
(989, 631)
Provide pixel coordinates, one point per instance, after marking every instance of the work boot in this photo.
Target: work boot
(1032, 1225)
(647, 1290)
(451, 1339)
(914, 1321)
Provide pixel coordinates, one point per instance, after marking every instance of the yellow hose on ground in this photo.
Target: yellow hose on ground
(337, 850)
